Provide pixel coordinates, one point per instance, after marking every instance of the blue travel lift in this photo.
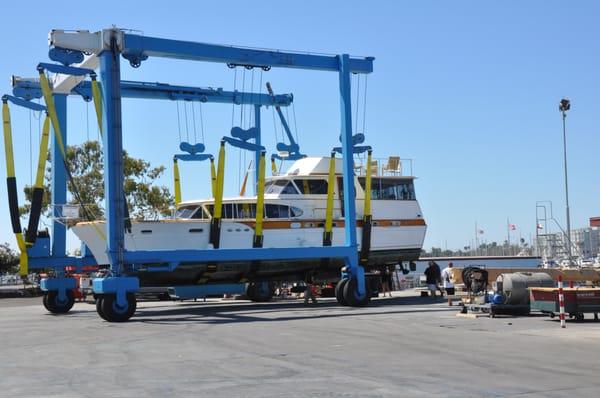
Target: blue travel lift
(117, 292)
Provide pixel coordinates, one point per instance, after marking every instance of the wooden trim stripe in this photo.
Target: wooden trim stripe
(297, 224)
(300, 223)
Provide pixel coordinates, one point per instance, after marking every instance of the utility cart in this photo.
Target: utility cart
(578, 300)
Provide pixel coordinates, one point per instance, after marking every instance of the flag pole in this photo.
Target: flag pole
(476, 239)
(508, 234)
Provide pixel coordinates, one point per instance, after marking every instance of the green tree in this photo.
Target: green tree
(85, 162)
(9, 259)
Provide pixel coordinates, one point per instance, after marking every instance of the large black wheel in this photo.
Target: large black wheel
(339, 291)
(250, 292)
(112, 312)
(99, 307)
(56, 306)
(260, 292)
(351, 294)
(45, 302)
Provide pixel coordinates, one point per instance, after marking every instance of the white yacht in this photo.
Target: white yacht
(294, 215)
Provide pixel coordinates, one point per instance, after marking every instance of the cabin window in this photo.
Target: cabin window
(311, 187)
(390, 188)
(199, 214)
(277, 211)
(186, 211)
(281, 187)
(248, 211)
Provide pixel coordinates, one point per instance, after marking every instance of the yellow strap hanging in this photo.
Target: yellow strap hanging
(177, 182)
(367, 210)
(97, 96)
(43, 155)
(245, 182)
(213, 177)
(23, 258)
(51, 108)
(330, 192)
(273, 167)
(10, 162)
(10, 174)
(220, 181)
(260, 197)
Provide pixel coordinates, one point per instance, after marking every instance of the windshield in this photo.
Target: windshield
(283, 187)
(186, 211)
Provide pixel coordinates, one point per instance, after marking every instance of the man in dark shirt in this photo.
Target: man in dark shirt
(433, 276)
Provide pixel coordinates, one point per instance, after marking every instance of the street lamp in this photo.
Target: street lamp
(563, 107)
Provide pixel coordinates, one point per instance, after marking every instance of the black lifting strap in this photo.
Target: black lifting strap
(13, 204)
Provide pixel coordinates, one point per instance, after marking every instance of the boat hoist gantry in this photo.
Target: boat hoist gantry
(82, 54)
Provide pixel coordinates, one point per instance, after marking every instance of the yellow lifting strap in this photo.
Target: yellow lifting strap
(330, 192)
(260, 196)
(97, 96)
(177, 182)
(213, 177)
(51, 109)
(43, 155)
(245, 182)
(8, 146)
(220, 181)
(273, 167)
(367, 210)
(10, 173)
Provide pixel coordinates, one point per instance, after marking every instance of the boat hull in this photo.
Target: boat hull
(391, 243)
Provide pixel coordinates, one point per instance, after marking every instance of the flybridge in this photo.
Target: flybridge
(78, 55)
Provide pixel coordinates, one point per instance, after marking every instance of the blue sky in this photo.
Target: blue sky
(468, 89)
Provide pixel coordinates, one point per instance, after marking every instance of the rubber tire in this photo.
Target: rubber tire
(52, 304)
(256, 294)
(250, 292)
(350, 290)
(339, 291)
(45, 302)
(99, 307)
(112, 313)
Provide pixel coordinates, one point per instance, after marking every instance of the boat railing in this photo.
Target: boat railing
(390, 166)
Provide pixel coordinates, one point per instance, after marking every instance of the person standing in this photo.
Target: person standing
(447, 280)
(310, 293)
(433, 277)
(386, 281)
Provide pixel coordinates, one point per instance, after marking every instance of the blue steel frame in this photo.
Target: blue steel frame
(137, 48)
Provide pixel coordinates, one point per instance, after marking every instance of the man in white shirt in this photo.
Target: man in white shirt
(447, 281)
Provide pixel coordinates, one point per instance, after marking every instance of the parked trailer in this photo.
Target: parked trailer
(578, 300)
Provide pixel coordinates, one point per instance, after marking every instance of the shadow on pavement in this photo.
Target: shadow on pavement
(222, 313)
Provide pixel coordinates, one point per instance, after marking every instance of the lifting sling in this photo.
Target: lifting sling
(11, 185)
(215, 223)
(328, 233)
(213, 176)
(177, 182)
(37, 196)
(260, 203)
(365, 247)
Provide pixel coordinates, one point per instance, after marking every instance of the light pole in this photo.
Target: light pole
(563, 107)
